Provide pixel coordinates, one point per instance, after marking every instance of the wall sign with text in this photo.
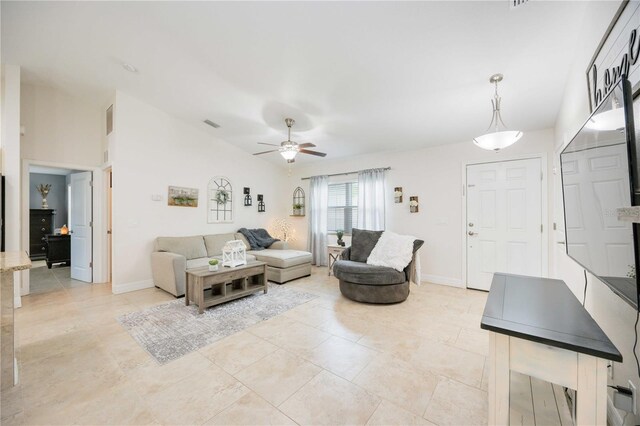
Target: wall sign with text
(618, 54)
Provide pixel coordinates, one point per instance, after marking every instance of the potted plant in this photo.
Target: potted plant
(213, 265)
(340, 234)
(297, 209)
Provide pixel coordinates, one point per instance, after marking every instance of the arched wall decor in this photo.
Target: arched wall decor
(220, 200)
(298, 202)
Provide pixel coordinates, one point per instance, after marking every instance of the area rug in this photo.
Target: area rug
(172, 330)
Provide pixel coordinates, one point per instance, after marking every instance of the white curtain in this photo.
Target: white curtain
(318, 227)
(371, 206)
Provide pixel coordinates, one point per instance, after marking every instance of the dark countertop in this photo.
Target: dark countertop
(544, 310)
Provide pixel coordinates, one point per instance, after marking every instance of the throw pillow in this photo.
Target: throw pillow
(362, 242)
(393, 251)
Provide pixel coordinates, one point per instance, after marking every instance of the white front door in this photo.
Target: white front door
(80, 227)
(504, 220)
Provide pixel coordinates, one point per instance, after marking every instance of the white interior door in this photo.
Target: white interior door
(504, 220)
(81, 227)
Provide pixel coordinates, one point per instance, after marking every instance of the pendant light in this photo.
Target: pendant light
(289, 149)
(497, 136)
(611, 119)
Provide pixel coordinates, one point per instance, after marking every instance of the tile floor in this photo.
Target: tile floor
(328, 361)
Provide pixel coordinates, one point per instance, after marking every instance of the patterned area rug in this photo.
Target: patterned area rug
(172, 330)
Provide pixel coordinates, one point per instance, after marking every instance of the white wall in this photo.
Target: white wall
(435, 175)
(60, 128)
(613, 315)
(10, 144)
(10, 150)
(151, 150)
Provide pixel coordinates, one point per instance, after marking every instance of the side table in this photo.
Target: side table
(334, 252)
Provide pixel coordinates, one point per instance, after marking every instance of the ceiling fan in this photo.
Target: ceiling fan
(288, 149)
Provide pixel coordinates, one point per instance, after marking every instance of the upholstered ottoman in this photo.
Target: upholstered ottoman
(284, 265)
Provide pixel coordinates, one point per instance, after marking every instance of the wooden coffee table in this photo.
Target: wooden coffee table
(206, 288)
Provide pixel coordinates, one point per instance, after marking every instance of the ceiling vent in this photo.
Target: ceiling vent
(212, 124)
(514, 4)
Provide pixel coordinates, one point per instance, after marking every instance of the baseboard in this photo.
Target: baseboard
(613, 415)
(132, 286)
(436, 279)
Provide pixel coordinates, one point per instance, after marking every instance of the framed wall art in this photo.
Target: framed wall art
(182, 197)
(617, 54)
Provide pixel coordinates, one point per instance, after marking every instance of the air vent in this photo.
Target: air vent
(514, 4)
(212, 124)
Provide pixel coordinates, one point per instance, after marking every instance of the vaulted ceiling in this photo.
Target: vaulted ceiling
(358, 77)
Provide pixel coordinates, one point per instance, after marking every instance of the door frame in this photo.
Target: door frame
(544, 205)
(99, 222)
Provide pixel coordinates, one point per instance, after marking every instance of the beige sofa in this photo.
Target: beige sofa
(173, 256)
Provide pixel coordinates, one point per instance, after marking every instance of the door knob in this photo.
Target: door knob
(471, 233)
(471, 224)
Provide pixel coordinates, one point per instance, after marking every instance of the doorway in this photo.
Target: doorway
(504, 229)
(60, 217)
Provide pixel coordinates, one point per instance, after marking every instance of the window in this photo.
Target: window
(343, 206)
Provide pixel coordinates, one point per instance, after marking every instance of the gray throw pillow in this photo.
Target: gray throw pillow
(362, 242)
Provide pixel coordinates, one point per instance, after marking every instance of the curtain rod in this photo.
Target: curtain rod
(342, 174)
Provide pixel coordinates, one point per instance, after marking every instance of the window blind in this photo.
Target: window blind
(343, 206)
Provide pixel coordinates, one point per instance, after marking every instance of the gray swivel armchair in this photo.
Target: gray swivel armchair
(368, 283)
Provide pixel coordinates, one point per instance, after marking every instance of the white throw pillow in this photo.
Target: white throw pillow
(392, 250)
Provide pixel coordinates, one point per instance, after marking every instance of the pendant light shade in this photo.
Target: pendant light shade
(497, 136)
(288, 152)
(612, 119)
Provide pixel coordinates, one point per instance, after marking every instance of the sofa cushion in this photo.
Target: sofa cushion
(362, 242)
(200, 262)
(282, 258)
(215, 243)
(189, 247)
(361, 273)
(239, 236)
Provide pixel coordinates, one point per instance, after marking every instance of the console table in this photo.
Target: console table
(539, 328)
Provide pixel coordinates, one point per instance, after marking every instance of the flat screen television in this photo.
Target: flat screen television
(600, 176)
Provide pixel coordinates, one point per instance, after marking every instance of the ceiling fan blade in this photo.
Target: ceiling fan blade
(264, 143)
(266, 152)
(306, 145)
(319, 154)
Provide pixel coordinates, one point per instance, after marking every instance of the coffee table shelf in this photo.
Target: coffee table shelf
(206, 288)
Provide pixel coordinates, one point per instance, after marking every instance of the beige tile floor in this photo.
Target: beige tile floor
(328, 361)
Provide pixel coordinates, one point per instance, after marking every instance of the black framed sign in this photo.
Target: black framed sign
(617, 54)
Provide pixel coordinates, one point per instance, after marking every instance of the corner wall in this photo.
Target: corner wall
(435, 175)
(151, 150)
(60, 128)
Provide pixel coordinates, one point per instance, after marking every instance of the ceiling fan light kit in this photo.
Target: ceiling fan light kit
(497, 136)
(289, 149)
